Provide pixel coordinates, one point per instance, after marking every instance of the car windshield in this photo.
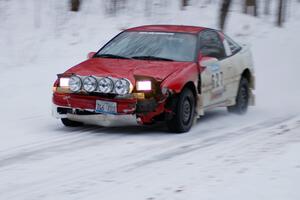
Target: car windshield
(151, 46)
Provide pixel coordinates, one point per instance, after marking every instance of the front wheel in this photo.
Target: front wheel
(242, 98)
(184, 113)
(70, 123)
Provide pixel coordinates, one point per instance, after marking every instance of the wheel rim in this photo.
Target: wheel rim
(187, 111)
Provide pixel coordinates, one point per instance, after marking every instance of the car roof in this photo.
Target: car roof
(169, 28)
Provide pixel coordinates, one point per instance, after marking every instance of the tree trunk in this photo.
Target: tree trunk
(113, 7)
(223, 13)
(280, 12)
(250, 7)
(267, 7)
(255, 8)
(75, 5)
(184, 3)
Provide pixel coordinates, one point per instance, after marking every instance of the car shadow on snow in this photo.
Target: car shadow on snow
(211, 117)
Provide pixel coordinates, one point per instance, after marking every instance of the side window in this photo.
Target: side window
(234, 47)
(227, 48)
(211, 45)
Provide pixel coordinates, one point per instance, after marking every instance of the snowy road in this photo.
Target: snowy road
(143, 163)
(224, 156)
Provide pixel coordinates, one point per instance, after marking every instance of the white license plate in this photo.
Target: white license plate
(106, 107)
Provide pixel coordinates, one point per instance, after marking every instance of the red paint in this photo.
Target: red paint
(221, 36)
(148, 118)
(89, 102)
(124, 106)
(90, 55)
(122, 68)
(168, 28)
(56, 83)
(178, 79)
(201, 58)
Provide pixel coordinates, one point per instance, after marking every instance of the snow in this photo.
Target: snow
(223, 157)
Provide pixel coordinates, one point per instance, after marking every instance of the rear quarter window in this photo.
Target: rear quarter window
(234, 46)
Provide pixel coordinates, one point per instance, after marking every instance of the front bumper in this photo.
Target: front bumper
(107, 120)
(85, 102)
(81, 108)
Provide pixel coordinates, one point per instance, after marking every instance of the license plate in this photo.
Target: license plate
(106, 107)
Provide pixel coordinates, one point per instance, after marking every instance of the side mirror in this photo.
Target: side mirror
(207, 61)
(91, 55)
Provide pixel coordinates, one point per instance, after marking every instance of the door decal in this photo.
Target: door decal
(217, 79)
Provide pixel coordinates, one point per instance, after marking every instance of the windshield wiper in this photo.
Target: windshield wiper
(111, 56)
(151, 58)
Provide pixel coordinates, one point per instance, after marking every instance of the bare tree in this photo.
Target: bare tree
(223, 13)
(250, 7)
(184, 3)
(267, 7)
(281, 12)
(75, 5)
(208, 2)
(113, 7)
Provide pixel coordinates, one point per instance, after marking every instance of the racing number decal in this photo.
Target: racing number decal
(217, 79)
(217, 75)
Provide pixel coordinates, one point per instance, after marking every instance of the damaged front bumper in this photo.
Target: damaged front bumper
(107, 120)
(82, 108)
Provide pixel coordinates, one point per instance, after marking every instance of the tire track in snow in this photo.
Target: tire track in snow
(56, 147)
(176, 150)
(198, 144)
(65, 145)
(88, 137)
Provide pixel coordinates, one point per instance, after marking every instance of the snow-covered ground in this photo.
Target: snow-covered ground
(224, 156)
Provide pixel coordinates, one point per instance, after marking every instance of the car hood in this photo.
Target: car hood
(123, 68)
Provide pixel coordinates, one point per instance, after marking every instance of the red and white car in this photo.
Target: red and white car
(156, 73)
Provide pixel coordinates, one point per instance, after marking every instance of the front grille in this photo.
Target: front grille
(109, 96)
(64, 111)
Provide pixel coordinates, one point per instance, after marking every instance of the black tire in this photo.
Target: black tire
(184, 112)
(242, 98)
(70, 123)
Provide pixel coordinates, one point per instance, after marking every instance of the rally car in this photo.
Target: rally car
(156, 73)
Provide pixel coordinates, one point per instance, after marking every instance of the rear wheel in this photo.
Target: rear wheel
(184, 112)
(242, 98)
(70, 123)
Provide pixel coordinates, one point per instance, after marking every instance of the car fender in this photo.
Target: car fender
(247, 64)
(177, 80)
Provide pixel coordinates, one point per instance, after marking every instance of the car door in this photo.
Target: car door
(213, 78)
(235, 63)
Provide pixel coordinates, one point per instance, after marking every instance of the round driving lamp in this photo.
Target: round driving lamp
(90, 84)
(105, 85)
(75, 83)
(122, 86)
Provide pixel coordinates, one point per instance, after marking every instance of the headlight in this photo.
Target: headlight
(122, 86)
(64, 82)
(90, 84)
(75, 83)
(143, 85)
(105, 85)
